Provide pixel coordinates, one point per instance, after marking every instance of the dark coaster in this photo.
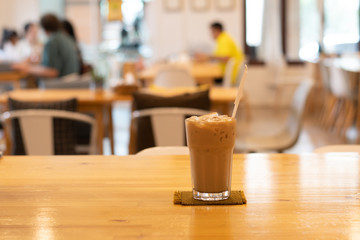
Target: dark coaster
(185, 198)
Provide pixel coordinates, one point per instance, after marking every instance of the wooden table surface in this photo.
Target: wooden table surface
(83, 95)
(14, 77)
(217, 94)
(130, 197)
(202, 72)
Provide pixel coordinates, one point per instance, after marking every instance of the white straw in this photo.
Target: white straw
(240, 92)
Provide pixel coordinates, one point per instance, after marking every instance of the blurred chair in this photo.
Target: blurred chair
(339, 110)
(79, 138)
(316, 96)
(285, 138)
(244, 100)
(171, 76)
(168, 124)
(338, 148)
(141, 131)
(181, 150)
(37, 129)
(67, 82)
(229, 69)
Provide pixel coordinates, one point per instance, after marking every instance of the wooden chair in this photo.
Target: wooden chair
(285, 138)
(37, 130)
(340, 98)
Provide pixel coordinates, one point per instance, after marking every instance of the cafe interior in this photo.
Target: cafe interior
(179, 119)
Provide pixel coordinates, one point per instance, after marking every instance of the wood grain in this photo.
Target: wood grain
(130, 197)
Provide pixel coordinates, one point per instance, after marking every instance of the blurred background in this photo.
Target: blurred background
(284, 42)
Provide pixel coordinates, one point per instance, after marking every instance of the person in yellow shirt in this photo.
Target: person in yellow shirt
(225, 49)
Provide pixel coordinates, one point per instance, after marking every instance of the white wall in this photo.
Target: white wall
(85, 17)
(15, 13)
(52, 6)
(172, 32)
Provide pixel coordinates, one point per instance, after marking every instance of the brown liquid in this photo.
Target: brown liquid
(211, 140)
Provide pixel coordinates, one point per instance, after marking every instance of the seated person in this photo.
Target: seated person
(225, 49)
(59, 56)
(30, 49)
(10, 46)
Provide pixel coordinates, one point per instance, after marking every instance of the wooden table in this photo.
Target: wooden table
(202, 72)
(13, 77)
(97, 102)
(130, 197)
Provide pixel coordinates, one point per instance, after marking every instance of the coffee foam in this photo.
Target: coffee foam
(211, 117)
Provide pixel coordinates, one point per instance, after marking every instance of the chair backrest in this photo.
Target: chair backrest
(67, 82)
(298, 108)
(239, 73)
(229, 69)
(325, 73)
(178, 150)
(338, 82)
(174, 76)
(168, 123)
(37, 128)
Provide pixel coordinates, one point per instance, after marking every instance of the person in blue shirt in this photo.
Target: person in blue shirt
(59, 56)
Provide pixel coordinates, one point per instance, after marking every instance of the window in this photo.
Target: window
(310, 29)
(341, 26)
(331, 26)
(253, 19)
(307, 27)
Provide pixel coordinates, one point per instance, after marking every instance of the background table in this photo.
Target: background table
(202, 72)
(13, 77)
(130, 197)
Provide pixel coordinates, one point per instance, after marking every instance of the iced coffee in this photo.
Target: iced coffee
(211, 140)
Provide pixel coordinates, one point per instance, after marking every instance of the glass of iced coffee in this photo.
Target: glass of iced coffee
(211, 140)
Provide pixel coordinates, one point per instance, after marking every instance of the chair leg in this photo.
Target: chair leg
(349, 118)
(331, 113)
(247, 107)
(340, 118)
(328, 104)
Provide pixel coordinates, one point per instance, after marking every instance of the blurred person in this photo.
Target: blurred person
(69, 29)
(10, 46)
(30, 49)
(59, 56)
(225, 49)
